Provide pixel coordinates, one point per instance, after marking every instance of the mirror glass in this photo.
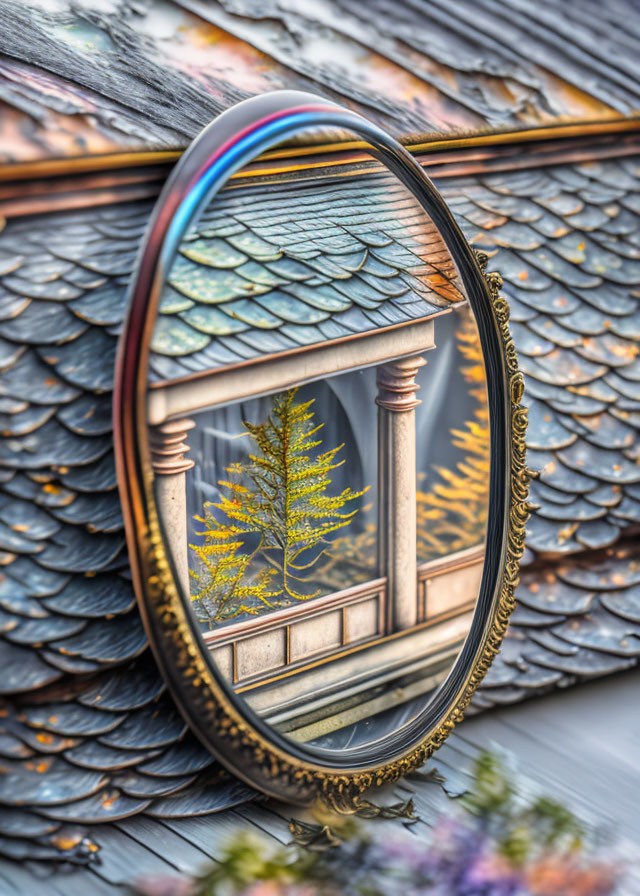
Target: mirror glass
(319, 434)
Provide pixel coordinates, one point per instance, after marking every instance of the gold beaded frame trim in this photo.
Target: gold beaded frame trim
(225, 725)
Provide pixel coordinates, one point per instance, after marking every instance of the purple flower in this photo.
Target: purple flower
(490, 875)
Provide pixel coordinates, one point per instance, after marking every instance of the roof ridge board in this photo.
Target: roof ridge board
(464, 141)
(116, 180)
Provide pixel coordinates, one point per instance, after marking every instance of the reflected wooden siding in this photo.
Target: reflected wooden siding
(296, 638)
(286, 639)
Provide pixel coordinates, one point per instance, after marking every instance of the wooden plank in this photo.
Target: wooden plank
(32, 878)
(428, 797)
(610, 699)
(16, 880)
(123, 859)
(165, 843)
(210, 833)
(556, 746)
(563, 777)
(268, 821)
(82, 882)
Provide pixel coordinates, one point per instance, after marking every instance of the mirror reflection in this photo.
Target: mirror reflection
(319, 433)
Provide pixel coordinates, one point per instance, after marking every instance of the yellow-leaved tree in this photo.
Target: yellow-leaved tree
(453, 514)
(274, 517)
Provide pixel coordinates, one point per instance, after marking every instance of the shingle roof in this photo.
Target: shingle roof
(154, 848)
(89, 732)
(574, 621)
(568, 249)
(83, 77)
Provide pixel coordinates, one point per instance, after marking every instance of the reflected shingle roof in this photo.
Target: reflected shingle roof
(290, 267)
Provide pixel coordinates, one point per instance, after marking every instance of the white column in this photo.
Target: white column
(397, 402)
(168, 447)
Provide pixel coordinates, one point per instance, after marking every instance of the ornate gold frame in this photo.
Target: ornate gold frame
(241, 741)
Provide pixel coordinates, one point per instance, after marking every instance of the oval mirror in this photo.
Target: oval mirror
(320, 452)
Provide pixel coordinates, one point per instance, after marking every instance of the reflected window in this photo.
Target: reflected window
(319, 436)
(329, 516)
